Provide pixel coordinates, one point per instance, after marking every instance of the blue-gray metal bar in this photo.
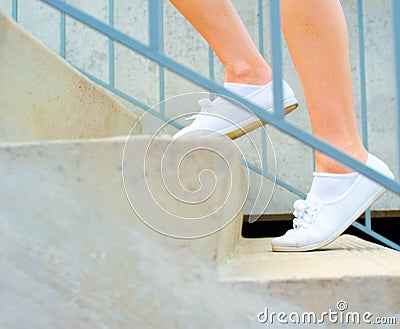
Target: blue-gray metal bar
(156, 41)
(62, 34)
(155, 25)
(260, 27)
(313, 158)
(396, 31)
(362, 73)
(161, 97)
(111, 51)
(377, 236)
(360, 14)
(260, 16)
(211, 72)
(208, 84)
(14, 10)
(275, 17)
(264, 156)
(367, 216)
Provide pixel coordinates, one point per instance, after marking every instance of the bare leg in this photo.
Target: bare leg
(229, 39)
(317, 37)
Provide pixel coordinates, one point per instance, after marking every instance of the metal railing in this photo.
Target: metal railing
(155, 52)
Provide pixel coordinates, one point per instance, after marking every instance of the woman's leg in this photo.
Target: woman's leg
(247, 73)
(219, 23)
(317, 37)
(316, 33)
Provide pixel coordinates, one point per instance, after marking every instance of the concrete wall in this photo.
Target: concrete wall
(45, 98)
(138, 77)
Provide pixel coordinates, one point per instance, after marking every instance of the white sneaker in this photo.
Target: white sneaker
(227, 118)
(318, 223)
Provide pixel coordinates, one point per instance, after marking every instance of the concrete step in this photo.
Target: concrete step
(348, 269)
(42, 97)
(69, 233)
(348, 256)
(73, 253)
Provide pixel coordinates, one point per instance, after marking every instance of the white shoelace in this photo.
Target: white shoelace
(304, 212)
(205, 107)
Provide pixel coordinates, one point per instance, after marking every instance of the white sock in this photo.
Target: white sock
(327, 186)
(240, 89)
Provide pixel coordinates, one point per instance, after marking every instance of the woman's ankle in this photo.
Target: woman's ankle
(243, 73)
(326, 164)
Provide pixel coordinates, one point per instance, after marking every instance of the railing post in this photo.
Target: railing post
(260, 17)
(14, 10)
(211, 72)
(156, 25)
(62, 34)
(156, 41)
(111, 53)
(361, 48)
(396, 32)
(275, 17)
(264, 137)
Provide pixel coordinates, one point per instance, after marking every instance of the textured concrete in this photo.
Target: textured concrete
(364, 275)
(43, 97)
(349, 268)
(346, 257)
(70, 236)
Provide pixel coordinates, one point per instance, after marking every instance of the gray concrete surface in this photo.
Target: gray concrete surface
(68, 228)
(43, 97)
(73, 254)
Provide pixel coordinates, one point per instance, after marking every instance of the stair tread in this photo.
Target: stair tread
(348, 256)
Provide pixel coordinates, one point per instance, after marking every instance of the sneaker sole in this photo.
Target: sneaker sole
(255, 125)
(352, 219)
